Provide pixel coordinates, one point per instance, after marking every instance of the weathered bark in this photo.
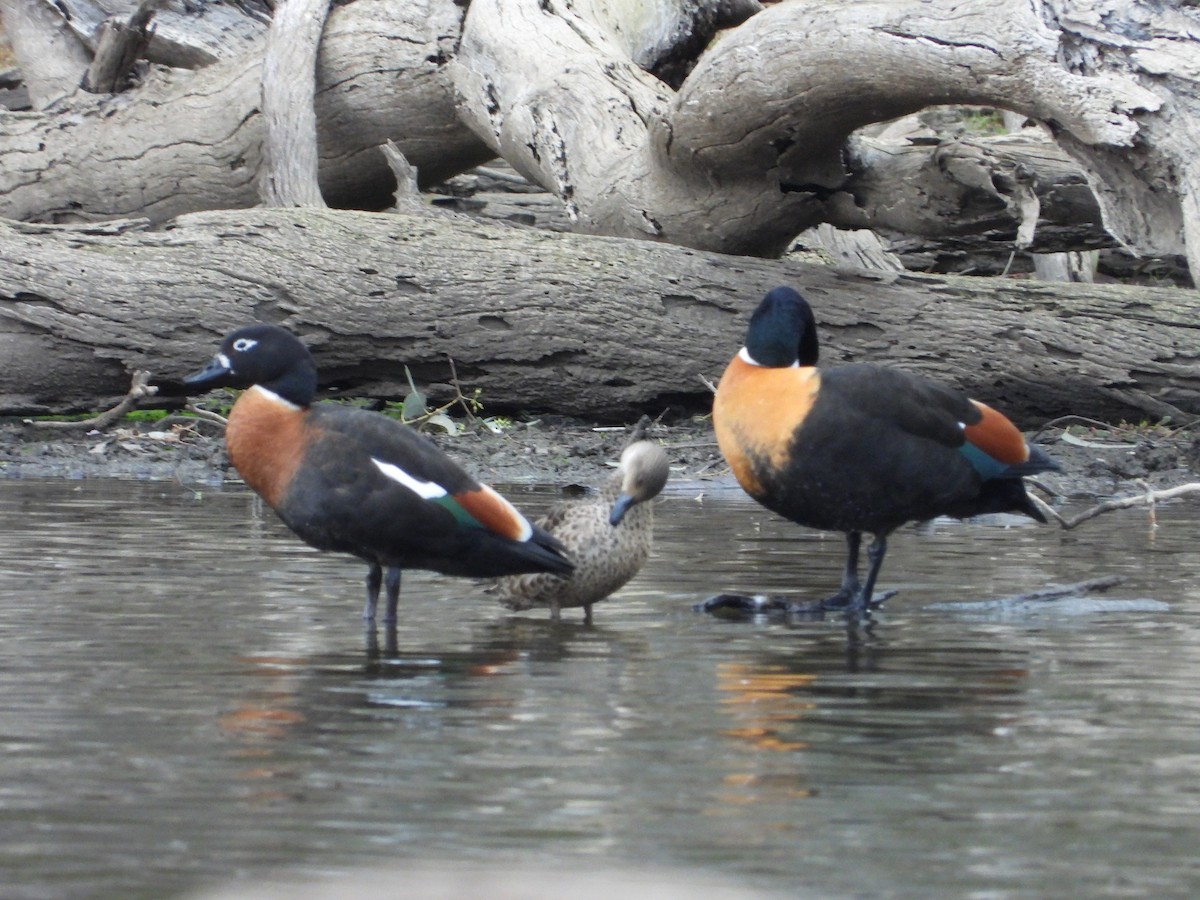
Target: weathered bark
(1007, 190)
(749, 152)
(289, 80)
(185, 36)
(55, 59)
(193, 140)
(1149, 188)
(119, 46)
(745, 155)
(579, 324)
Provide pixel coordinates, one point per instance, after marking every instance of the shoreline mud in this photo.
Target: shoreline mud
(1097, 463)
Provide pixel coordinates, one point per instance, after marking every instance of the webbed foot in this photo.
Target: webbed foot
(847, 601)
(732, 606)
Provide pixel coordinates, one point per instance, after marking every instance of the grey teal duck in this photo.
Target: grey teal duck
(607, 535)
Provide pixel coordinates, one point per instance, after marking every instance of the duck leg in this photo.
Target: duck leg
(863, 601)
(374, 582)
(848, 593)
(391, 585)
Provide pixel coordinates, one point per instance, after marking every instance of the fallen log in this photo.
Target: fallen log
(593, 326)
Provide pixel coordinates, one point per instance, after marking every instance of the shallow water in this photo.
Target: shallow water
(186, 696)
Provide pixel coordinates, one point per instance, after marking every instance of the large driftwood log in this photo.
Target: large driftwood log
(291, 161)
(588, 325)
(55, 59)
(750, 148)
(53, 38)
(186, 35)
(748, 152)
(972, 192)
(186, 141)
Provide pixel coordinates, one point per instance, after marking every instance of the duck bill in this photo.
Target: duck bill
(216, 374)
(622, 506)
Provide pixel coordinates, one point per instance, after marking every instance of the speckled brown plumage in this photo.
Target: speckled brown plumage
(606, 556)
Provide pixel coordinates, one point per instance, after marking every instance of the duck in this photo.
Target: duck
(861, 448)
(607, 534)
(354, 481)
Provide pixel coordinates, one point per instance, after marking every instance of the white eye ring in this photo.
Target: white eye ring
(241, 345)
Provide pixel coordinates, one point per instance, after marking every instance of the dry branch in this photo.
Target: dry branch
(139, 390)
(206, 414)
(1149, 498)
(289, 175)
(120, 46)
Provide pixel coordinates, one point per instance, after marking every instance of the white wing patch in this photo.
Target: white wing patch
(427, 490)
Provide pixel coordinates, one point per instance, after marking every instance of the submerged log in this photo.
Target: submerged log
(577, 324)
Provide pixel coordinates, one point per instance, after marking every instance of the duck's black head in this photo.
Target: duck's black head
(266, 355)
(782, 331)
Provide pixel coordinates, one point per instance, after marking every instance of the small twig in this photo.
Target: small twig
(1008, 265)
(707, 383)
(467, 404)
(500, 175)
(1149, 498)
(641, 430)
(1089, 586)
(138, 390)
(187, 423)
(1027, 603)
(407, 197)
(428, 415)
(1063, 422)
(206, 414)
(702, 472)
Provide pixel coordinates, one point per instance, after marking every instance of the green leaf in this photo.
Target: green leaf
(444, 422)
(414, 404)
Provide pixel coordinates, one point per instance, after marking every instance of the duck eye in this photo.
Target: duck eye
(241, 345)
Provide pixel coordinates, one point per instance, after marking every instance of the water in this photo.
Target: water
(186, 697)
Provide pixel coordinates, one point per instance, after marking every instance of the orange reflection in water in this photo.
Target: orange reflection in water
(262, 721)
(763, 702)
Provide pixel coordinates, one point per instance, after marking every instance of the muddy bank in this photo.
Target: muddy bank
(1098, 463)
(542, 450)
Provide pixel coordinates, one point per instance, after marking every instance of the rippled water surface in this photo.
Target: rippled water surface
(186, 696)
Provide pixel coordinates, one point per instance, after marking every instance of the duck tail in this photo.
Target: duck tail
(1007, 495)
(1038, 462)
(548, 552)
